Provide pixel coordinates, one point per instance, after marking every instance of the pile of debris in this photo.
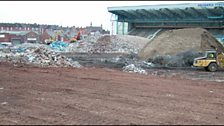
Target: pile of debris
(108, 44)
(82, 46)
(36, 54)
(59, 46)
(119, 44)
(134, 69)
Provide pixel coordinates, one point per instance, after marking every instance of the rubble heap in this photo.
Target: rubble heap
(36, 54)
(82, 46)
(119, 44)
(59, 46)
(134, 69)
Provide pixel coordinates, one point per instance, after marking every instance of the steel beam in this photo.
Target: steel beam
(119, 14)
(174, 13)
(219, 10)
(198, 12)
(187, 14)
(126, 13)
(151, 13)
(155, 12)
(142, 13)
(139, 15)
(174, 21)
(162, 13)
(178, 27)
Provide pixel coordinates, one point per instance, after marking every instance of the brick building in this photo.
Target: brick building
(17, 37)
(31, 37)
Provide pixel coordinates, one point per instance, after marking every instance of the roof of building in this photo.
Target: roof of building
(17, 32)
(166, 12)
(94, 28)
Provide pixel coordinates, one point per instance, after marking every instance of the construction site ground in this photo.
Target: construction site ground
(88, 95)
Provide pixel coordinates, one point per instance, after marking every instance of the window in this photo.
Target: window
(211, 55)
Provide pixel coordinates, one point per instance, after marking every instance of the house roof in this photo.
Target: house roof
(17, 32)
(94, 28)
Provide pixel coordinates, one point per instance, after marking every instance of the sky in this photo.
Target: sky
(68, 13)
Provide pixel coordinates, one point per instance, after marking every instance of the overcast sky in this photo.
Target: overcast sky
(68, 13)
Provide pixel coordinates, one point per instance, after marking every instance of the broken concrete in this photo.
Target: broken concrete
(119, 44)
(133, 69)
(36, 54)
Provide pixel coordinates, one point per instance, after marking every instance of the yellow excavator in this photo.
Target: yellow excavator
(212, 59)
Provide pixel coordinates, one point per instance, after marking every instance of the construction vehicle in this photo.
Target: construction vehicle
(211, 61)
(213, 58)
(77, 37)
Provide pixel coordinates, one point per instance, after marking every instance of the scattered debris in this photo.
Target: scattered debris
(133, 69)
(4, 103)
(169, 95)
(130, 53)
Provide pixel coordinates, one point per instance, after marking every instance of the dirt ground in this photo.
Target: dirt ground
(30, 95)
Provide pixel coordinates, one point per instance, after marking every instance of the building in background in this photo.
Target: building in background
(147, 19)
(18, 37)
(36, 33)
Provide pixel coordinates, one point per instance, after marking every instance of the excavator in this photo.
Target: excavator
(212, 59)
(77, 37)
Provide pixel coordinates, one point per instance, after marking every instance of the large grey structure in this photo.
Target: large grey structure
(147, 19)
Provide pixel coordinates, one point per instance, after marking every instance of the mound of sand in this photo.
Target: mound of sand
(175, 41)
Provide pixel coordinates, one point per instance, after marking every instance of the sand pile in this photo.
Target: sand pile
(175, 41)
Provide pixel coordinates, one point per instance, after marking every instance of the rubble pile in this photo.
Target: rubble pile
(82, 46)
(119, 44)
(108, 44)
(36, 54)
(172, 42)
(59, 46)
(133, 69)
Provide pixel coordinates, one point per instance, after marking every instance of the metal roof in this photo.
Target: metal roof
(16, 32)
(170, 12)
